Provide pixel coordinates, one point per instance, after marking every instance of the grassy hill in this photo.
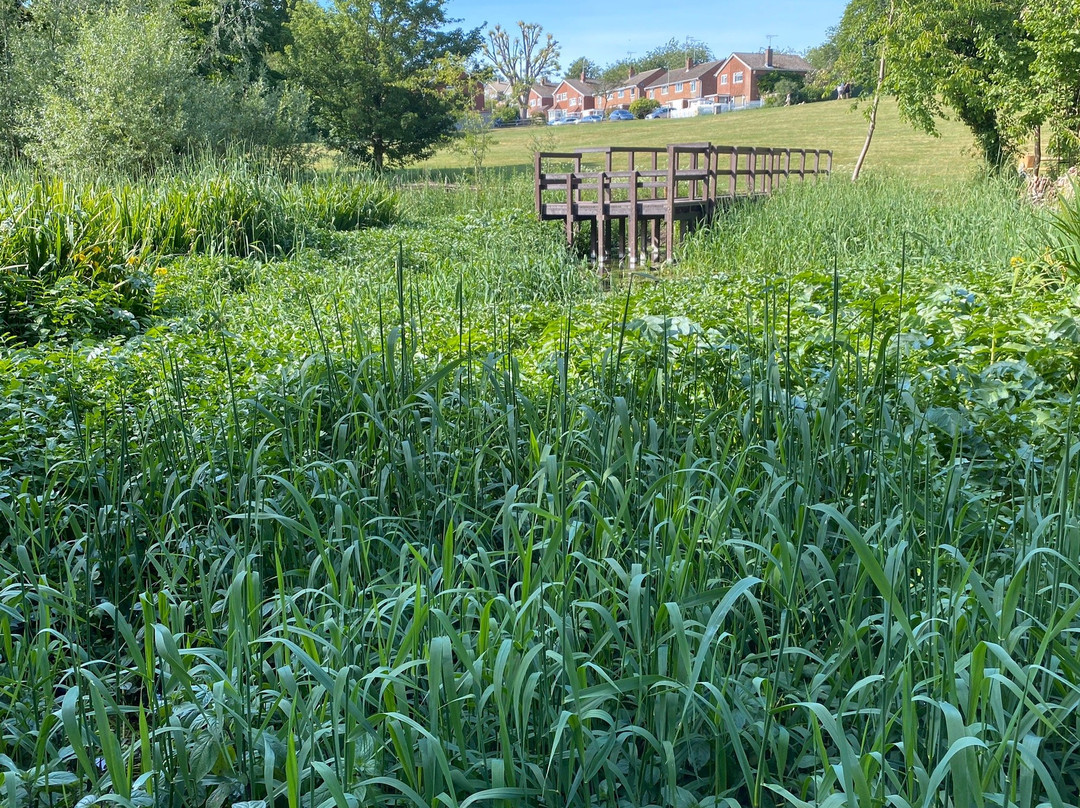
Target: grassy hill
(828, 125)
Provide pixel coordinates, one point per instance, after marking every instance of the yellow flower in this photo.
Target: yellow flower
(1016, 261)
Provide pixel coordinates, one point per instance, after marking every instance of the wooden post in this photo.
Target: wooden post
(633, 213)
(787, 165)
(672, 185)
(733, 181)
(828, 168)
(569, 209)
(601, 220)
(802, 164)
(817, 164)
(710, 180)
(751, 167)
(539, 179)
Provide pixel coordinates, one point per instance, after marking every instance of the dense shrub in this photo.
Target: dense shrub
(641, 107)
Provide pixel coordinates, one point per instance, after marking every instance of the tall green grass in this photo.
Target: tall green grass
(76, 255)
(679, 544)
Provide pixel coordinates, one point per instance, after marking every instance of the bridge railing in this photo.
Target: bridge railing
(682, 182)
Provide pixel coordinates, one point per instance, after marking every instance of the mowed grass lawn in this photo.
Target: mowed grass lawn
(832, 125)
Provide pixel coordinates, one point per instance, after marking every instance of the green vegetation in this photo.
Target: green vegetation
(81, 259)
(426, 513)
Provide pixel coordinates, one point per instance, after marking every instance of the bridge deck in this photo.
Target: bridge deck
(655, 189)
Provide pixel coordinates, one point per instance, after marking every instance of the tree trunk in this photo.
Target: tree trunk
(377, 154)
(1038, 150)
(873, 118)
(877, 96)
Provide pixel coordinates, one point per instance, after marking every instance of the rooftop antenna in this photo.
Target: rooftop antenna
(771, 37)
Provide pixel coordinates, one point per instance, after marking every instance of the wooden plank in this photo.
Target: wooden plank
(633, 217)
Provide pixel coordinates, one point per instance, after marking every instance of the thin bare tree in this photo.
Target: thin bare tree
(521, 58)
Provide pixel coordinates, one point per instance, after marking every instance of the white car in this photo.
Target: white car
(592, 117)
(659, 112)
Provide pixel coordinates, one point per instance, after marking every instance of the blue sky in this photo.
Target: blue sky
(606, 30)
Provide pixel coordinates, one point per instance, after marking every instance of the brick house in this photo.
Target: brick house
(541, 97)
(572, 97)
(685, 87)
(496, 93)
(630, 90)
(736, 80)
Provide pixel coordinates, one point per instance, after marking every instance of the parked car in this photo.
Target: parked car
(592, 116)
(659, 112)
(620, 115)
(565, 120)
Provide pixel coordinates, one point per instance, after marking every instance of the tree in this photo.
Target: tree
(120, 98)
(1040, 90)
(234, 38)
(673, 54)
(386, 80)
(474, 140)
(521, 59)
(936, 56)
(582, 67)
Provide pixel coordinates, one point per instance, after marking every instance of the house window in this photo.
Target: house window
(693, 86)
(738, 78)
(573, 102)
(723, 79)
(620, 93)
(664, 91)
(678, 87)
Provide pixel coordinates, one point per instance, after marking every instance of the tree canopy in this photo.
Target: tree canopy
(385, 79)
(1002, 67)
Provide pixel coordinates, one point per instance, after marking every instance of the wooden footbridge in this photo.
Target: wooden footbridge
(647, 192)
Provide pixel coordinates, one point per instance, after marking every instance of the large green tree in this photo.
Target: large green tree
(385, 79)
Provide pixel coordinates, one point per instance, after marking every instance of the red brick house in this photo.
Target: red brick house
(541, 97)
(572, 97)
(738, 75)
(685, 87)
(630, 90)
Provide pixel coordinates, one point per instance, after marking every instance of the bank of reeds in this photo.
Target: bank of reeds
(666, 550)
(76, 256)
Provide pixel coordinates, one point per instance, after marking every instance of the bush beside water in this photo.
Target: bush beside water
(422, 514)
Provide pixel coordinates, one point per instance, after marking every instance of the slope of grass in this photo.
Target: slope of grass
(828, 125)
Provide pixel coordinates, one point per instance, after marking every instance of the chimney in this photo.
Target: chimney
(583, 75)
(629, 71)
(689, 62)
(768, 56)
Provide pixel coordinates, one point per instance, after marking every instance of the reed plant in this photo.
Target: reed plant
(431, 531)
(78, 258)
